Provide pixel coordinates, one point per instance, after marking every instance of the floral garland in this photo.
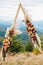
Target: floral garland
(11, 32)
(31, 30)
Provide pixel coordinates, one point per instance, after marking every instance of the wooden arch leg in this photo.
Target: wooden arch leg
(36, 46)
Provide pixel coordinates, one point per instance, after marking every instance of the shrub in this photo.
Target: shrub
(29, 47)
(17, 47)
(36, 51)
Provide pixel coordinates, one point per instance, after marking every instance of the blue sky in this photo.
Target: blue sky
(8, 9)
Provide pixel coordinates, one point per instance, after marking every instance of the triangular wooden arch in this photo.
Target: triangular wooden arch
(12, 28)
(20, 6)
(23, 10)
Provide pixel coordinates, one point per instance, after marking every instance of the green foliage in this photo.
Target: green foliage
(36, 51)
(29, 47)
(17, 46)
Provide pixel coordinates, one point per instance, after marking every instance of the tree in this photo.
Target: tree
(17, 46)
(29, 47)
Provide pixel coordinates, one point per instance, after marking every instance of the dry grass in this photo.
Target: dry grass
(24, 59)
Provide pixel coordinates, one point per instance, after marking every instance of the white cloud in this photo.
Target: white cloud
(8, 9)
(35, 12)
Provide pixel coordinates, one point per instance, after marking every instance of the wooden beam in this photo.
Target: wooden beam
(17, 13)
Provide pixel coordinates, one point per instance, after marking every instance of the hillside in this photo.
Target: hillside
(23, 59)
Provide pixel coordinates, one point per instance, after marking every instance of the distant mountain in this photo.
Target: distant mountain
(38, 25)
(4, 25)
(24, 36)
